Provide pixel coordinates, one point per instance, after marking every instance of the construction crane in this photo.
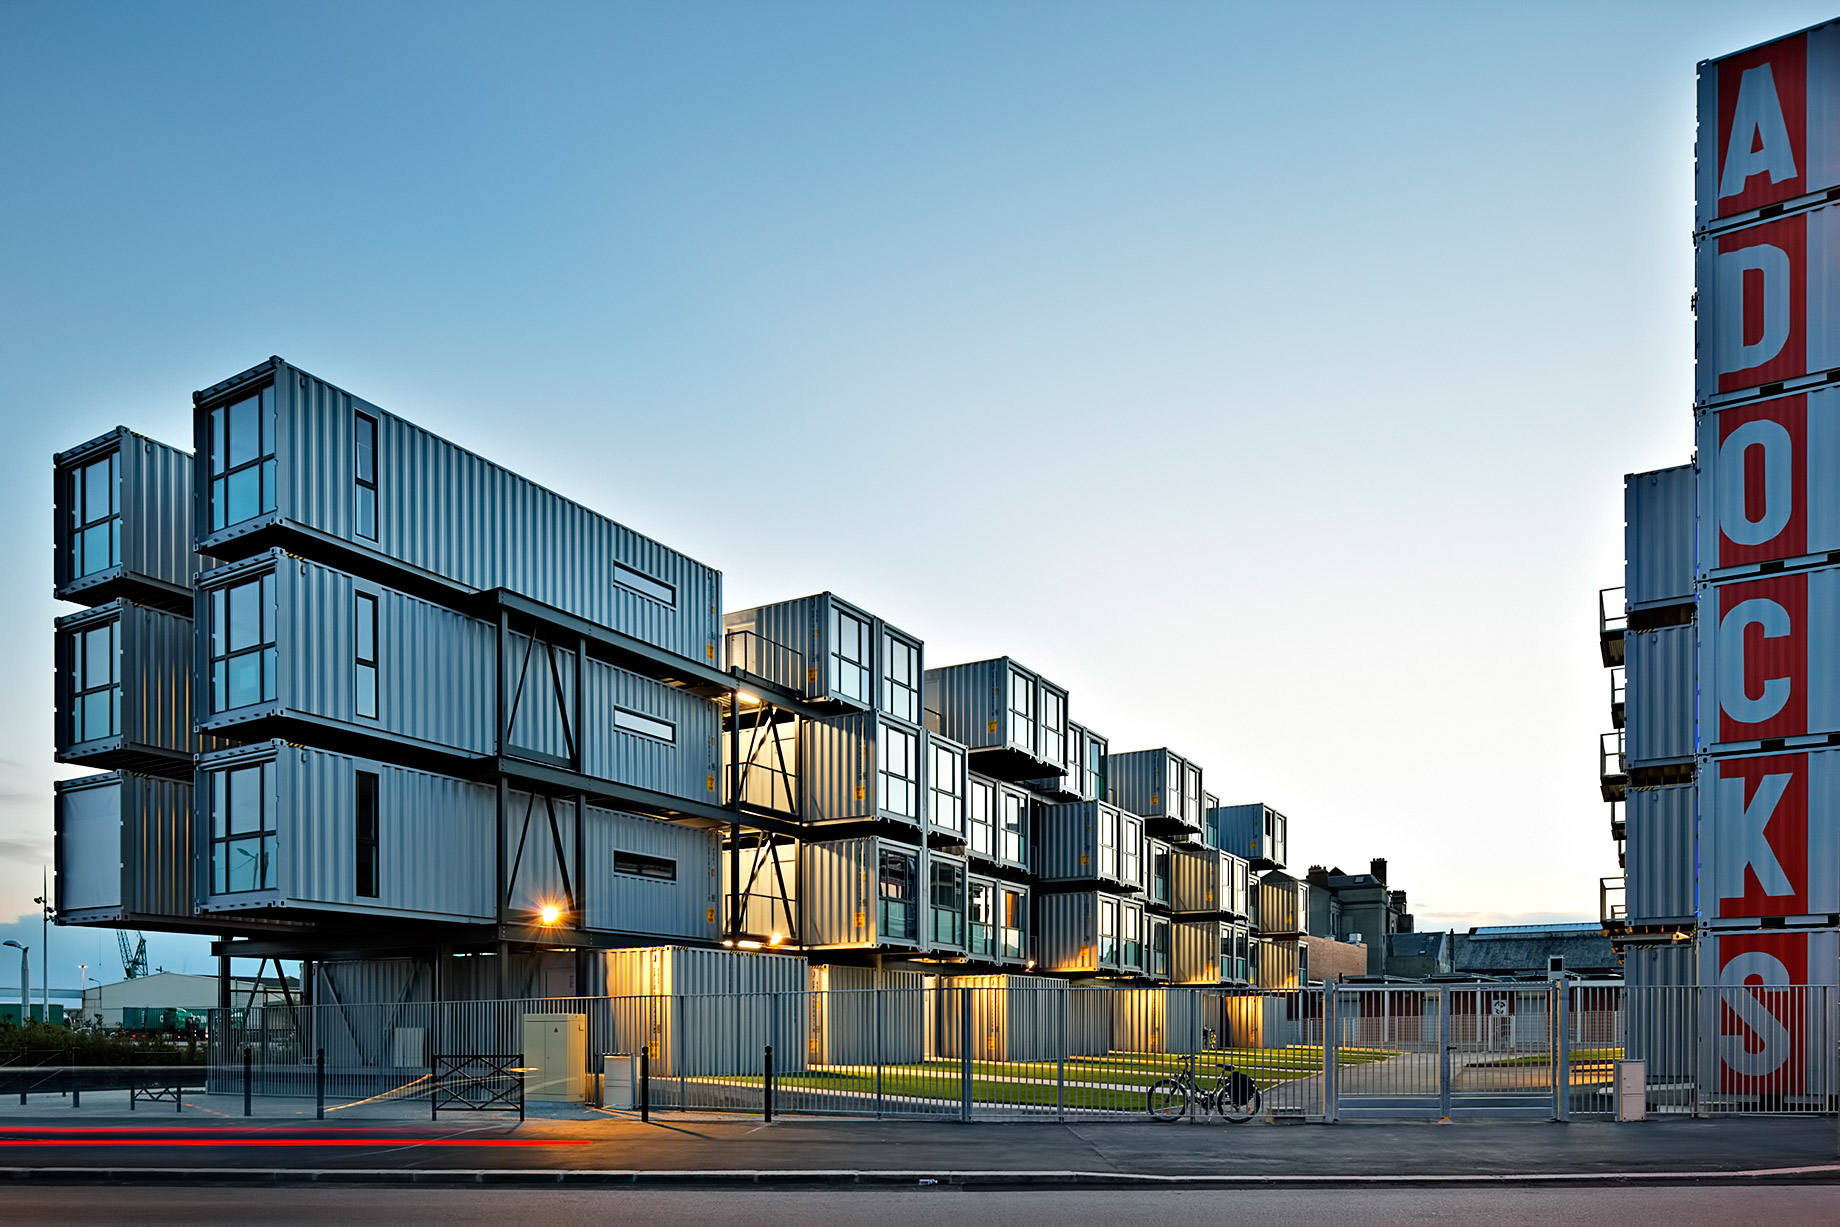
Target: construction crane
(133, 954)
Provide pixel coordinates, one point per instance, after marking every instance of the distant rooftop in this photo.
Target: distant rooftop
(1556, 930)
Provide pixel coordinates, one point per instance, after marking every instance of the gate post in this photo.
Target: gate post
(1332, 1043)
(964, 1053)
(1444, 1051)
(1562, 1060)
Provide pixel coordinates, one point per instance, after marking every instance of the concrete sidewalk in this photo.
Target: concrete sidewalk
(673, 1150)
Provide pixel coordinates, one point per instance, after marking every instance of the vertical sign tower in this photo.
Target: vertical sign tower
(1767, 572)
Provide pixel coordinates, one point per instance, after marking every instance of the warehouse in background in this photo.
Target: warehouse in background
(1721, 644)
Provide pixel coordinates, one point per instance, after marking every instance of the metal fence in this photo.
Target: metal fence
(1035, 1051)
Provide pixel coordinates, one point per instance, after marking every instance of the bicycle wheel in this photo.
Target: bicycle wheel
(1237, 1098)
(1167, 1100)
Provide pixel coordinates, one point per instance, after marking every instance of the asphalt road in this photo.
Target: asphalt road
(1780, 1206)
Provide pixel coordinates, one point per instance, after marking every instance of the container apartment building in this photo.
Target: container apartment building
(1725, 724)
(360, 697)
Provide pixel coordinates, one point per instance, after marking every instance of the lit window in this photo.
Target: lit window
(364, 465)
(1014, 946)
(243, 644)
(1108, 931)
(95, 516)
(649, 726)
(1133, 937)
(901, 679)
(365, 672)
(366, 832)
(95, 709)
(899, 772)
(849, 657)
(242, 459)
(242, 830)
(947, 785)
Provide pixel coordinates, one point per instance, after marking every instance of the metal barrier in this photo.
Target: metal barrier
(1028, 1048)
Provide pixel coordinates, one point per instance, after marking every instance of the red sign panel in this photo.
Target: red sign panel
(1762, 125)
(1769, 1026)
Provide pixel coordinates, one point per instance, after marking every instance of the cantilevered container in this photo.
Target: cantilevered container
(994, 709)
(123, 851)
(121, 522)
(1256, 833)
(829, 652)
(124, 690)
(1089, 842)
(1163, 787)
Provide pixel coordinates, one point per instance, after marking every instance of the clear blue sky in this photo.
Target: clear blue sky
(1265, 374)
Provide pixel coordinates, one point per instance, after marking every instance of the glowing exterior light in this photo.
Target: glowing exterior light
(742, 696)
(746, 945)
(775, 940)
(550, 914)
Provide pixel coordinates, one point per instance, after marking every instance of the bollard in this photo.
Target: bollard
(248, 1067)
(319, 1084)
(645, 1083)
(766, 1084)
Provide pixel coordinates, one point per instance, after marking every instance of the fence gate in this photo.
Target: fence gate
(1447, 1051)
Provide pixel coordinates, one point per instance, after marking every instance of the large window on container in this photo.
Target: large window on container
(95, 701)
(1160, 857)
(897, 897)
(849, 657)
(1014, 915)
(1014, 834)
(1053, 740)
(1159, 946)
(946, 783)
(1130, 849)
(364, 667)
(242, 459)
(900, 678)
(1021, 710)
(364, 470)
(981, 909)
(1191, 794)
(94, 493)
(366, 841)
(1098, 787)
(1108, 842)
(899, 772)
(947, 903)
(243, 643)
(242, 829)
(1132, 925)
(1108, 931)
(982, 817)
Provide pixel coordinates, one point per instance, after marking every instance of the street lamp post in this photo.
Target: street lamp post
(25, 981)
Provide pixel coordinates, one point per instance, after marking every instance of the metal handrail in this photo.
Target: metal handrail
(751, 652)
(1608, 622)
(1612, 899)
(1619, 685)
(1605, 754)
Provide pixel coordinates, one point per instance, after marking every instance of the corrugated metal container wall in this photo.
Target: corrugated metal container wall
(1196, 952)
(1788, 130)
(434, 666)
(123, 848)
(1659, 695)
(1275, 905)
(1770, 837)
(840, 758)
(1079, 841)
(348, 982)
(435, 833)
(1278, 963)
(707, 1012)
(687, 766)
(844, 900)
(1203, 881)
(636, 899)
(787, 646)
(863, 1015)
(153, 665)
(1659, 854)
(1659, 524)
(1674, 965)
(1147, 782)
(1250, 832)
(1159, 873)
(1021, 1018)
(1800, 523)
(153, 493)
(448, 512)
(971, 704)
(1159, 1019)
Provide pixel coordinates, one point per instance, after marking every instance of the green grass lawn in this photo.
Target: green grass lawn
(1115, 1081)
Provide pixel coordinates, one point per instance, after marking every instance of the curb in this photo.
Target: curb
(843, 1177)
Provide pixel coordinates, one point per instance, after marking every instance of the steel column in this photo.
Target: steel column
(1444, 1051)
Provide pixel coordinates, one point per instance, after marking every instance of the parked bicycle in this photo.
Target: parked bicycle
(1234, 1094)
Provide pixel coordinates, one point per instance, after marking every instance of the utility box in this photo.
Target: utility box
(619, 1080)
(1631, 1090)
(556, 1057)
